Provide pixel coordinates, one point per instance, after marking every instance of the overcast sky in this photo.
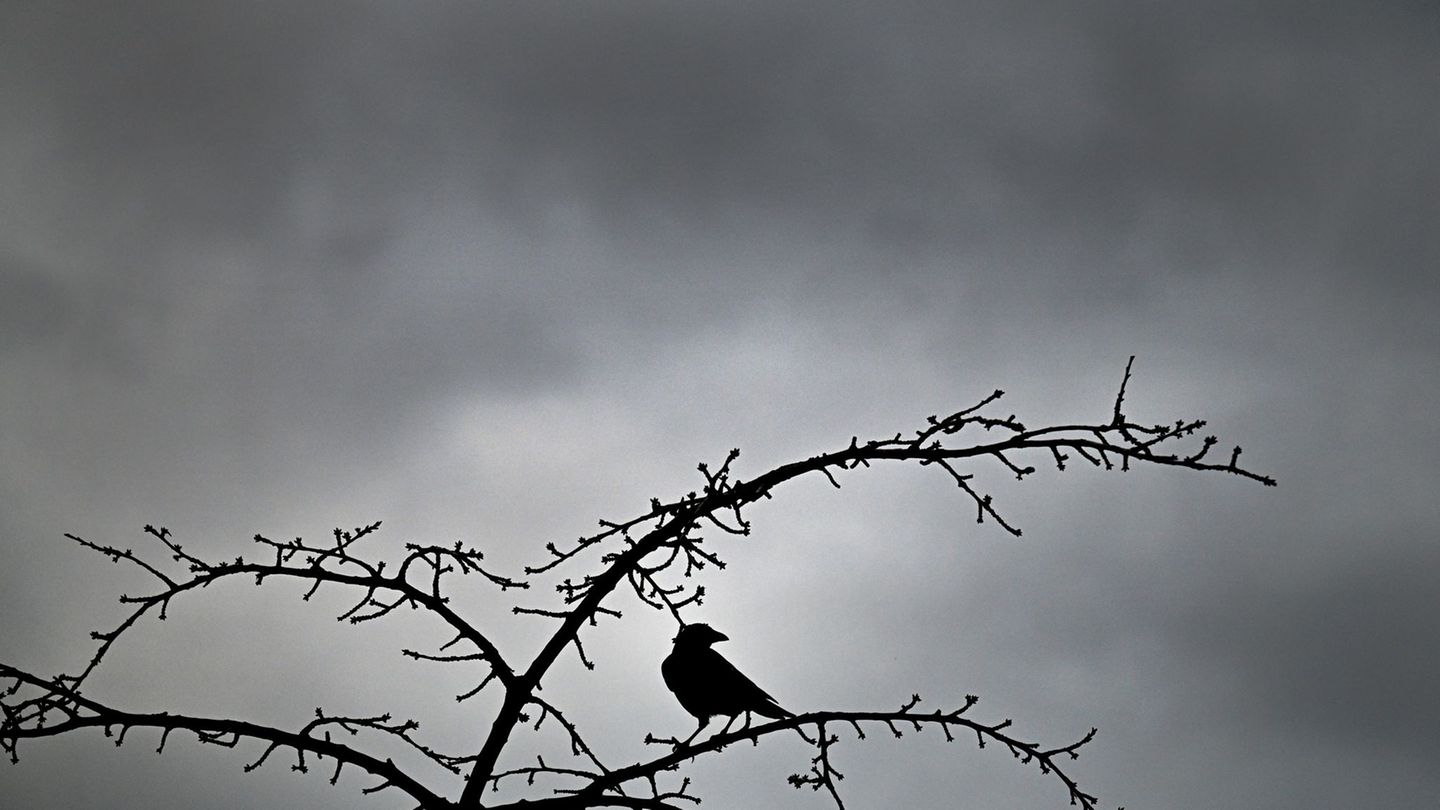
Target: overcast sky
(492, 271)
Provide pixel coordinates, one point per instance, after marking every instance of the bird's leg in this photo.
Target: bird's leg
(703, 723)
(728, 723)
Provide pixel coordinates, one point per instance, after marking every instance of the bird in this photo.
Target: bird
(707, 685)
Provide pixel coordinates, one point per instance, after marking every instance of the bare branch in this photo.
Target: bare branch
(58, 710)
(657, 554)
(824, 775)
(673, 523)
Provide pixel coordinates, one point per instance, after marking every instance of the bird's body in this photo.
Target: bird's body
(707, 685)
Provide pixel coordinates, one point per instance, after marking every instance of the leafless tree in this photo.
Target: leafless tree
(650, 556)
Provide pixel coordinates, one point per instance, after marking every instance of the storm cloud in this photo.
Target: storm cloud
(494, 271)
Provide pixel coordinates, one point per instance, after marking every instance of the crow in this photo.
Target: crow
(708, 685)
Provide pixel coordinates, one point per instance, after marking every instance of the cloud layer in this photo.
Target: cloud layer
(495, 272)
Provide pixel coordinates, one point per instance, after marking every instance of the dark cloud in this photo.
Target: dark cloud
(1230, 136)
(171, 117)
(500, 270)
(35, 309)
(1348, 655)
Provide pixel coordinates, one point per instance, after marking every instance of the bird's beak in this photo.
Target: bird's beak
(719, 636)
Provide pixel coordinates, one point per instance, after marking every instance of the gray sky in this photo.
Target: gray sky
(493, 271)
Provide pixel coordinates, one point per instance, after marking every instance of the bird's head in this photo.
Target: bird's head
(699, 635)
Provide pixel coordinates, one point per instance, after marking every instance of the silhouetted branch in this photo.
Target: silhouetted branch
(823, 775)
(656, 554)
(332, 565)
(674, 524)
(56, 710)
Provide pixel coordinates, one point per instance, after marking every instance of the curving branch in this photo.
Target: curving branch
(652, 556)
(34, 706)
(56, 710)
(822, 773)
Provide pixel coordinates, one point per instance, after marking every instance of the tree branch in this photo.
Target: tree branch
(676, 522)
(597, 789)
(32, 719)
(653, 553)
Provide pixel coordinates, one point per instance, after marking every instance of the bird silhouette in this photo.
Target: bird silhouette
(708, 685)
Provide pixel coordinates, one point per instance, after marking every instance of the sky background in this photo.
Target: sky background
(493, 271)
